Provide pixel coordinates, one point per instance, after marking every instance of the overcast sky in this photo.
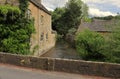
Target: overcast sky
(96, 7)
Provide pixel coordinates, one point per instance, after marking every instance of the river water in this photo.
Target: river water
(62, 50)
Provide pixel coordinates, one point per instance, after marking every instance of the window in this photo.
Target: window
(42, 37)
(42, 19)
(28, 14)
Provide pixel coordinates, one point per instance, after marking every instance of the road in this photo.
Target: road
(14, 72)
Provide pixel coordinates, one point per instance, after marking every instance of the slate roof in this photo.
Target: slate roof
(98, 25)
(40, 6)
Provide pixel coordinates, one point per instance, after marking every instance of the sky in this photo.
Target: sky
(96, 7)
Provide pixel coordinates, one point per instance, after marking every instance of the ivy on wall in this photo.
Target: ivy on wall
(15, 29)
(23, 6)
(9, 13)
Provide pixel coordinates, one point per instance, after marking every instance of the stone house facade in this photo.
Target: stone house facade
(44, 38)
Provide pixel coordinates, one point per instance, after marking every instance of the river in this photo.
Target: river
(62, 50)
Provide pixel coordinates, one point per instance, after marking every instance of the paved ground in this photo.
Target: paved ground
(14, 72)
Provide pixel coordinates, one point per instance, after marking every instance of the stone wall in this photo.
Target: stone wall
(64, 65)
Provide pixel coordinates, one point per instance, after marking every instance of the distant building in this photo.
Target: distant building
(101, 26)
(44, 38)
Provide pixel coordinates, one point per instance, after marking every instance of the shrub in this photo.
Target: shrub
(112, 47)
(90, 45)
(15, 38)
(15, 29)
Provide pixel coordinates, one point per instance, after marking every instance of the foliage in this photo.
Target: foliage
(72, 15)
(86, 19)
(110, 17)
(15, 38)
(112, 46)
(117, 17)
(56, 15)
(23, 6)
(67, 17)
(16, 29)
(84, 10)
(90, 45)
(4, 9)
(7, 12)
(72, 31)
(93, 46)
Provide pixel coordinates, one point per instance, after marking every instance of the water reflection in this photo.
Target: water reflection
(62, 50)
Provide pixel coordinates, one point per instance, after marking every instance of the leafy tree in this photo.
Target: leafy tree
(90, 45)
(84, 11)
(69, 17)
(56, 15)
(72, 15)
(110, 17)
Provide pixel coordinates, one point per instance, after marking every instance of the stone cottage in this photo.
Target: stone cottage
(97, 25)
(44, 38)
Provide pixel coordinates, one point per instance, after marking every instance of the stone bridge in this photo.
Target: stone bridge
(102, 69)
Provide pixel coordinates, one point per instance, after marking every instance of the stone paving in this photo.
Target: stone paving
(15, 72)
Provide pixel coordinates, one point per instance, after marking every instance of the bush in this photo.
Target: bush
(15, 29)
(90, 45)
(15, 38)
(112, 47)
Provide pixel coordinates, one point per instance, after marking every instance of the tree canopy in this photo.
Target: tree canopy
(68, 17)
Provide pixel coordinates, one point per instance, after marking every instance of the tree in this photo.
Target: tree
(110, 17)
(90, 45)
(68, 18)
(73, 13)
(56, 15)
(84, 10)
